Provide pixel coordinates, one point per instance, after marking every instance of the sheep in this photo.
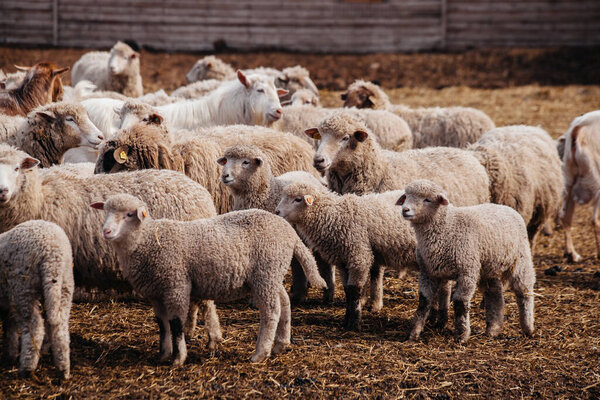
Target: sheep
(360, 235)
(525, 173)
(150, 146)
(581, 176)
(303, 97)
(51, 130)
(485, 245)
(355, 163)
(210, 67)
(451, 126)
(12, 80)
(104, 114)
(41, 85)
(390, 131)
(60, 194)
(251, 100)
(221, 258)
(117, 70)
(36, 272)
(196, 89)
(247, 175)
(294, 79)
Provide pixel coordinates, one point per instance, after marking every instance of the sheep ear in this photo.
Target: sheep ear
(344, 96)
(361, 136)
(47, 115)
(134, 55)
(372, 99)
(313, 133)
(60, 71)
(117, 110)
(283, 78)
(22, 68)
(222, 161)
(155, 119)
(98, 206)
(258, 161)
(29, 163)
(282, 92)
(442, 200)
(243, 79)
(2, 85)
(283, 103)
(401, 200)
(308, 200)
(142, 214)
(120, 155)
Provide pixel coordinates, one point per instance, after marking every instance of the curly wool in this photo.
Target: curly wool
(36, 273)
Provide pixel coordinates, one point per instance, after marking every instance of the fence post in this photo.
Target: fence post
(55, 22)
(444, 23)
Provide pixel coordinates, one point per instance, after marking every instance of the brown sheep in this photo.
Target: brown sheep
(41, 85)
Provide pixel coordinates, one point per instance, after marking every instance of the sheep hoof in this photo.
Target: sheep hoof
(573, 257)
(375, 307)
(296, 300)
(352, 324)
(528, 331)
(25, 373)
(178, 361)
(64, 375)
(493, 331)
(256, 357)
(327, 297)
(164, 357)
(414, 336)
(462, 338)
(280, 347)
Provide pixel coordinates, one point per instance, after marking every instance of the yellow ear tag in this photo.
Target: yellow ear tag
(144, 213)
(317, 136)
(123, 155)
(309, 200)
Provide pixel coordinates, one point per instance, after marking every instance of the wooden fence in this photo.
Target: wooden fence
(302, 25)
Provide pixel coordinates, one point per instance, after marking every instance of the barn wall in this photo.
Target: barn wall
(303, 25)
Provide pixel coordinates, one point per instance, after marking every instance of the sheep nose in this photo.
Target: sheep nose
(277, 212)
(319, 159)
(278, 112)
(106, 232)
(100, 137)
(3, 191)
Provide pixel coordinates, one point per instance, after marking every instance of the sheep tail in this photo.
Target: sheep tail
(309, 265)
(52, 291)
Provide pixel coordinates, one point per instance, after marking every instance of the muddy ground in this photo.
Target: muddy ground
(114, 344)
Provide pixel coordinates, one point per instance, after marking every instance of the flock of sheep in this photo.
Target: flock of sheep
(211, 193)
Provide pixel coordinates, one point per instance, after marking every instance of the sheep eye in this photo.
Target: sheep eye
(298, 199)
(260, 90)
(69, 118)
(245, 162)
(130, 214)
(345, 138)
(427, 201)
(145, 120)
(17, 168)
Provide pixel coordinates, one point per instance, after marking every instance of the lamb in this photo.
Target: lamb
(524, 171)
(485, 244)
(354, 163)
(51, 130)
(361, 235)
(117, 70)
(41, 85)
(390, 131)
(303, 97)
(221, 258)
(451, 126)
(581, 176)
(250, 100)
(61, 195)
(150, 146)
(248, 177)
(196, 89)
(36, 270)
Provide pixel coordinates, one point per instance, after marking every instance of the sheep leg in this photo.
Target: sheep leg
(522, 282)
(440, 308)
(377, 273)
(465, 289)
(32, 337)
(283, 333)
(269, 308)
(299, 283)
(192, 319)
(166, 344)
(327, 271)
(596, 224)
(178, 338)
(59, 336)
(494, 307)
(213, 327)
(428, 287)
(567, 221)
(10, 338)
(357, 278)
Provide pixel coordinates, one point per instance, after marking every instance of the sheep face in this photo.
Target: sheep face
(122, 58)
(238, 170)
(335, 147)
(294, 79)
(296, 200)
(124, 215)
(421, 201)
(134, 112)
(262, 99)
(209, 67)
(359, 97)
(69, 121)
(304, 97)
(13, 167)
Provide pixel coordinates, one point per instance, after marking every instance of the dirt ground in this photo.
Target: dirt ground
(115, 344)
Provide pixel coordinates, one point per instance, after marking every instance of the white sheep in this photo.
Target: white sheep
(221, 258)
(360, 235)
(435, 126)
(582, 176)
(485, 245)
(196, 89)
(36, 277)
(117, 70)
(303, 97)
